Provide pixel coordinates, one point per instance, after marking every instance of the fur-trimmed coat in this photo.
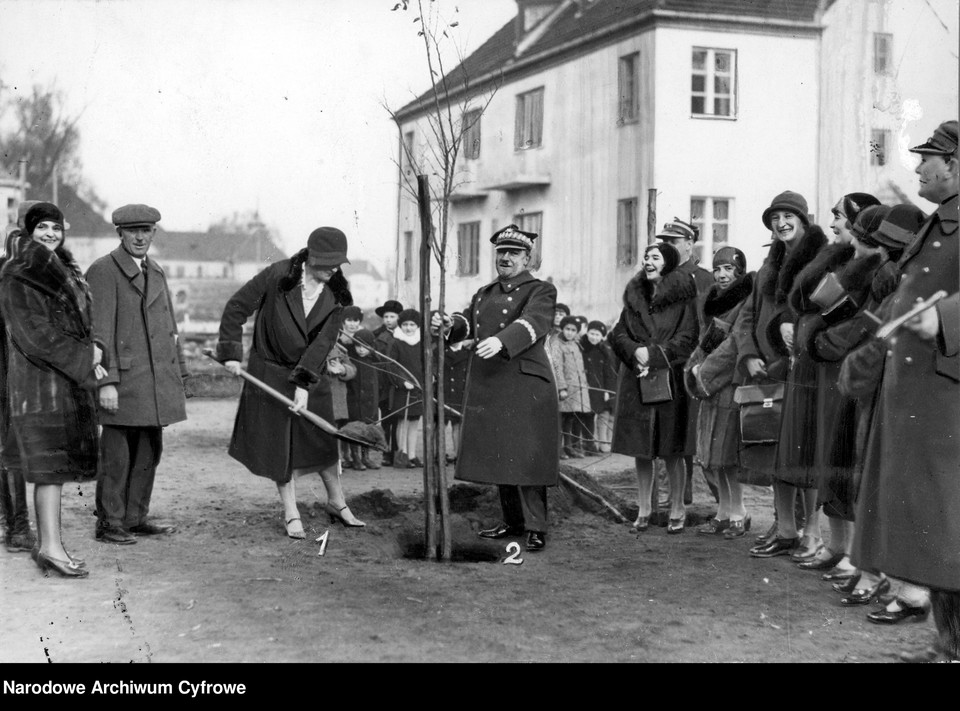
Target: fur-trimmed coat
(50, 373)
(757, 328)
(289, 350)
(715, 360)
(664, 320)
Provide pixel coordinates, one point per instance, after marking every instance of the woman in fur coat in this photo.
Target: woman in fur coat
(657, 330)
(709, 376)
(764, 336)
(52, 373)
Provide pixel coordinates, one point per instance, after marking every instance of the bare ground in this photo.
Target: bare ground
(229, 586)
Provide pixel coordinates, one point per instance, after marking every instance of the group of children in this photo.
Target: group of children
(376, 377)
(585, 369)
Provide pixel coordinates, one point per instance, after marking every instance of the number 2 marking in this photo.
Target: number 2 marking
(513, 548)
(323, 542)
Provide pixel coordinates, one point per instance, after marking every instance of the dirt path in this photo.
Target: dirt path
(231, 587)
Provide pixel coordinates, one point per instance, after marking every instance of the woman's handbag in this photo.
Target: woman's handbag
(656, 386)
(760, 410)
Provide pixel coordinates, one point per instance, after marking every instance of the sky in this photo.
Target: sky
(203, 108)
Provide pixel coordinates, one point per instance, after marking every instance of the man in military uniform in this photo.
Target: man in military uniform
(144, 387)
(907, 523)
(511, 412)
(682, 235)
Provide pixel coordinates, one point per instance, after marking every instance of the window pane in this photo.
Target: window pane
(699, 59)
(721, 209)
(721, 107)
(698, 82)
(696, 209)
(722, 62)
(719, 235)
(696, 104)
(721, 85)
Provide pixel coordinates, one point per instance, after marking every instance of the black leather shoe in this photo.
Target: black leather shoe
(906, 613)
(63, 568)
(152, 529)
(501, 530)
(536, 541)
(115, 535)
(848, 585)
(21, 542)
(840, 575)
(778, 546)
(820, 564)
(865, 597)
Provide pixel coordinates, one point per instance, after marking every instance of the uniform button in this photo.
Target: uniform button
(908, 360)
(502, 325)
(936, 245)
(926, 270)
(504, 311)
(509, 286)
(889, 354)
(509, 298)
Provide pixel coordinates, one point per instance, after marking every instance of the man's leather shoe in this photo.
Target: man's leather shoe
(116, 535)
(778, 546)
(906, 613)
(820, 564)
(501, 530)
(536, 541)
(865, 597)
(152, 529)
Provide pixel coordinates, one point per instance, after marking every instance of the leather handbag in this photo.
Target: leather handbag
(761, 406)
(656, 386)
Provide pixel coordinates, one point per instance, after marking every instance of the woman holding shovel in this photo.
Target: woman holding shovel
(298, 302)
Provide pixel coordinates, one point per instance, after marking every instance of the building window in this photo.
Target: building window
(713, 82)
(408, 256)
(181, 270)
(406, 160)
(468, 247)
(627, 232)
(226, 271)
(879, 144)
(471, 134)
(529, 124)
(629, 87)
(199, 270)
(532, 222)
(882, 52)
(712, 216)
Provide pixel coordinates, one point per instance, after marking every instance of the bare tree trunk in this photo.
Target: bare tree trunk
(429, 477)
(446, 543)
(651, 215)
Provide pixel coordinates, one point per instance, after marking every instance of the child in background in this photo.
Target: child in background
(572, 388)
(339, 370)
(405, 349)
(600, 365)
(363, 392)
(350, 324)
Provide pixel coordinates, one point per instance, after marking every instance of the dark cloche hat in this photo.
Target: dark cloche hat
(512, 237)
(867, 223)
(852, 203)
(678, 229)
(569, 321)
(597, 326)
(135, 215)
(365, 337)
(732, 256)
(790, 202)
(942, 142)
(389, 306)
(327, 247)
(900, 227)
(671, 257)
(409, 315)
(41, 212)
(354, 313)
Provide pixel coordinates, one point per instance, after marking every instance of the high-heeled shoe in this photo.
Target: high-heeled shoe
(864, 597)
(292, 531)
(642, 523)
(849, 585)
(807, 550)
(737, 529)
(337, 515)
(675, 525)
(63, 568)
(76, 562)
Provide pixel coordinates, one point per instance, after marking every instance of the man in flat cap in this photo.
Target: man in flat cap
(144, 388)
(682, 235)
(907, 523)
(511, 413)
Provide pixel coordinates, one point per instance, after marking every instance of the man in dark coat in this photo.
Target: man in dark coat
(143, 391)
(907, 524)
(511, 412)
(383, 335)
(682, 235)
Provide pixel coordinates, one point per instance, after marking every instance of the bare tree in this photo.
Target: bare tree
(452, 107)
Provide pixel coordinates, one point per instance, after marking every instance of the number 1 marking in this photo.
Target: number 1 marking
(322, 540)
(513, 548)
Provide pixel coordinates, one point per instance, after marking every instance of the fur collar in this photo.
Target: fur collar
(675, 288)
(53, 272)
(829, 259)
(410, 340)
(858, 273)
(777, 280)
(719, 302)
(885, 281)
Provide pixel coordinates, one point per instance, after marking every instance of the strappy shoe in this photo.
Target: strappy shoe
(336, 514)
(737, 529)
(293, 531)
(642, 523)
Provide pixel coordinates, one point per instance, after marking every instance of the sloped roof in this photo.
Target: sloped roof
(584, 22)
(83, 219)
(216, 247)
